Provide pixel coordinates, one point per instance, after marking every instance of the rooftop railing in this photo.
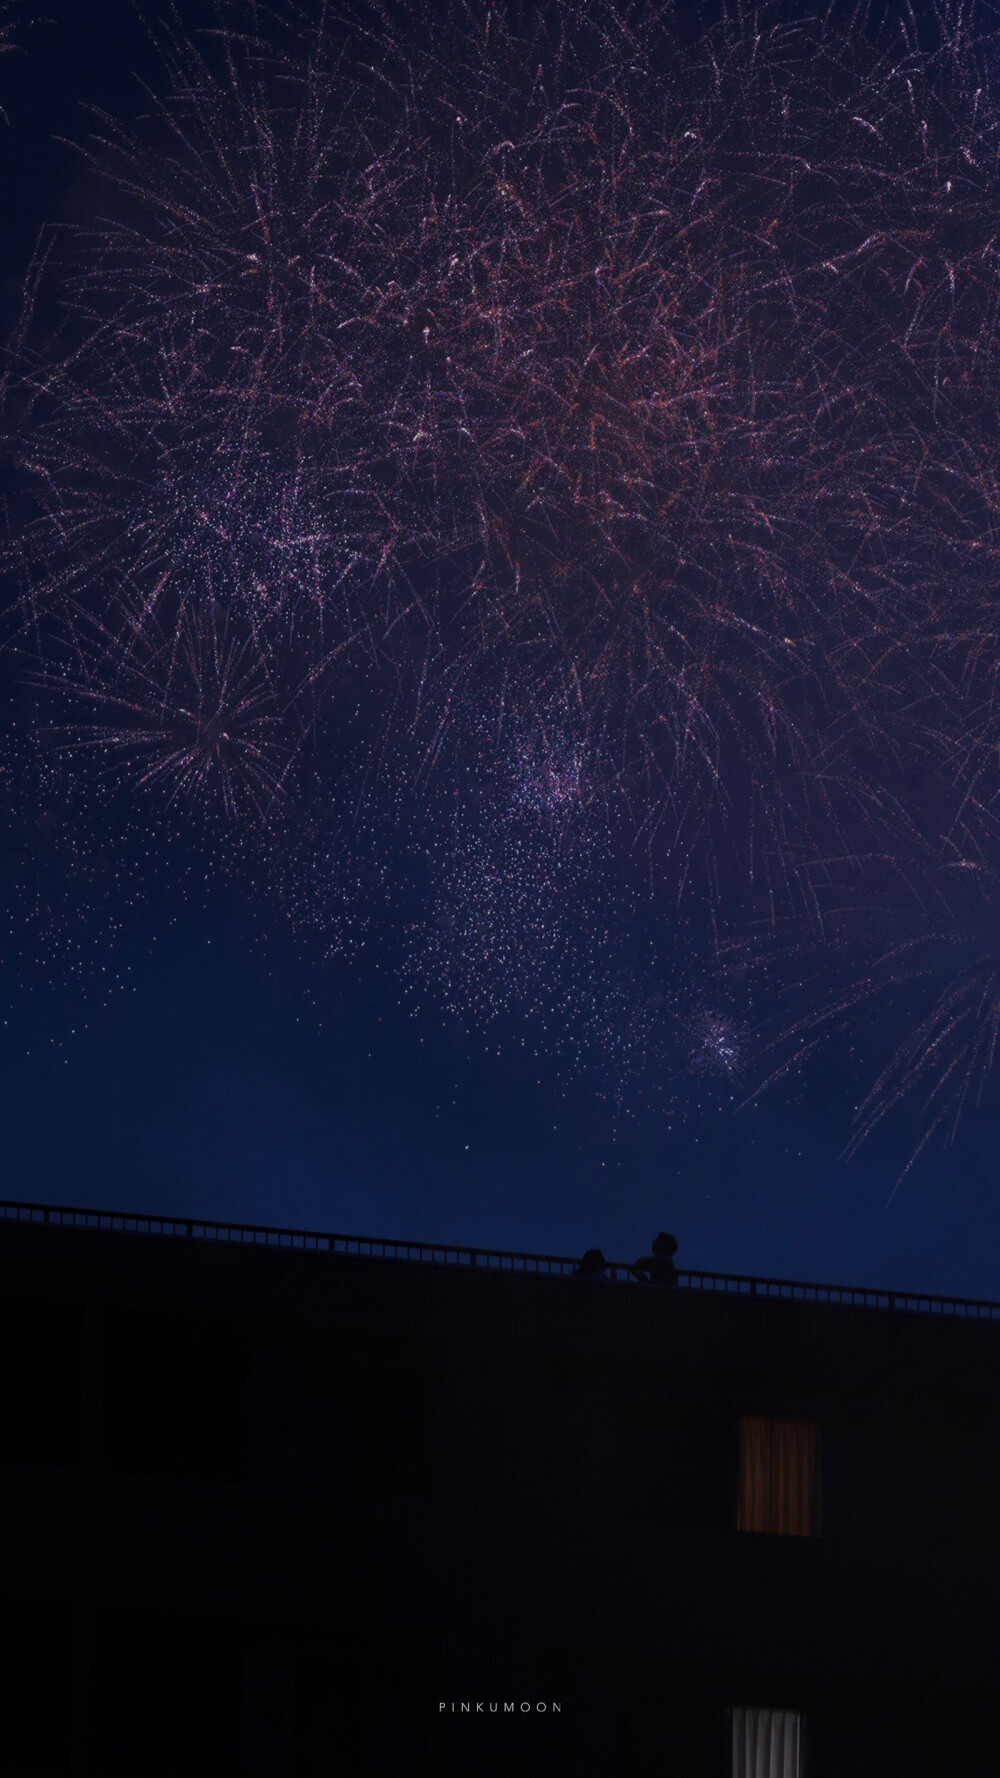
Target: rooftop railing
(489, 1258)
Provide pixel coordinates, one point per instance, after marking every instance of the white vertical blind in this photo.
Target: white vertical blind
(767, 1744)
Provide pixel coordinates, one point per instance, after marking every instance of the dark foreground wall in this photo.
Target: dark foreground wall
(266, 1512)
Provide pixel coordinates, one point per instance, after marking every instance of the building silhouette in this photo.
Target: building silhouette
(277, 1504)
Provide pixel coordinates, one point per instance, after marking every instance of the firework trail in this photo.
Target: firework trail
(8, 23)
(905, 965)
(8, 19)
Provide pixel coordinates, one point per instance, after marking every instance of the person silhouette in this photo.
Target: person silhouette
(592, 1265)
(658, 1267)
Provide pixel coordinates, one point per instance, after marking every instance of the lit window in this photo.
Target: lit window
(767, 1744)
(779, 1476)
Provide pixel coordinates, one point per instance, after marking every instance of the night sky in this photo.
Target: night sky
(512, 1000)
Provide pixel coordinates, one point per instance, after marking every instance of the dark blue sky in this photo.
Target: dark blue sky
(205, 1086)
(249, 1081)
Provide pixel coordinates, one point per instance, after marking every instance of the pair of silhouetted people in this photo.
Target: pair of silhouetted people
(656, 1267)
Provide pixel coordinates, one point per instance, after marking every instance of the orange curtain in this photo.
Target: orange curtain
(779, 1476)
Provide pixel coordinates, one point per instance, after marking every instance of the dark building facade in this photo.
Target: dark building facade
(275, 1508)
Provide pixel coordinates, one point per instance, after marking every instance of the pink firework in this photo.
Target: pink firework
(562, 368)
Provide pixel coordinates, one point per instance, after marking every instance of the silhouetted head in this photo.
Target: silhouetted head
(592, 1263)
(664, 1246)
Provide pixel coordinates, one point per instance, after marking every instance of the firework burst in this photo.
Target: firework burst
(541, 389)
(603, 417)
(191, 710)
